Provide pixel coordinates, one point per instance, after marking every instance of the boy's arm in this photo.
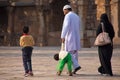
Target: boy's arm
(21, 40)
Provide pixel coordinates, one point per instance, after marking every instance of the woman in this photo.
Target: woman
(105, 52)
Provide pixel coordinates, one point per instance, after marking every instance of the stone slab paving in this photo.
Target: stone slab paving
(44, 66)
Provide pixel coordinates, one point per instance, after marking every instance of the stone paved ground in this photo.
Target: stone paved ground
(44, 66)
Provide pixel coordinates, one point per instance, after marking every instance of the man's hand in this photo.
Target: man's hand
(63, 40)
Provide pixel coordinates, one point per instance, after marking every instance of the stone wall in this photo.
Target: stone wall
(26, 16)
(45, 18)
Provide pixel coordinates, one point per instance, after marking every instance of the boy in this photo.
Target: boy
(26, 42)
(63, 57)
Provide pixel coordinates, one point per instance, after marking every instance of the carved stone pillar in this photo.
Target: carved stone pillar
(74, 4)
(41, 10)
(108, 8)
(115, 19)
(10, 25)
(87, 11)
(79, 8)
(119, 18)
(81, 11)
(100, 8)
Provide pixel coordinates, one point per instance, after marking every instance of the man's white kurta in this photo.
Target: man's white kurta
(71, 31)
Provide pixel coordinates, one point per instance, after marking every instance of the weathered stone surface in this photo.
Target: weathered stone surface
(44, 66)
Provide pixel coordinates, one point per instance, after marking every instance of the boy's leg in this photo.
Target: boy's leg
(60, 66)
(69, 64)
(24, 57)
(29, 60)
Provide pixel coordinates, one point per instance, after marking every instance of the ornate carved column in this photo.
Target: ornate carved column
(79, 8)
(108, 8)
(115, 19)
(81, 11)
(100, 8)
(41, 9)
(119, 18)
(87, 11)
(74, 4)
(88, 21)
(10, 25)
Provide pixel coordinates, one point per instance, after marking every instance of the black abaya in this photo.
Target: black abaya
(105, 52)
(105, 55)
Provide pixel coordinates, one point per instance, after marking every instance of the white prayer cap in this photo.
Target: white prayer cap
(66, 7)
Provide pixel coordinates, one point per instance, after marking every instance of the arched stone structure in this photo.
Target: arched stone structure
(45, 18)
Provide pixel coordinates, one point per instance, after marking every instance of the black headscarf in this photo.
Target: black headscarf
(107, 26)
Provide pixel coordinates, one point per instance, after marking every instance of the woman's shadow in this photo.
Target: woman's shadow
(96, 75)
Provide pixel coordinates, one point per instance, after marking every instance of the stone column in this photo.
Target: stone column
(81, 12)
(100, 8)
(87, 11)
(119, 18)
(10, 25)
(40, 10)
(115, 18)
(108, 8)
(82, 9)
(79, 8)
(40, 21)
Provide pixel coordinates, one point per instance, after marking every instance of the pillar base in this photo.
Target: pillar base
(116, 42)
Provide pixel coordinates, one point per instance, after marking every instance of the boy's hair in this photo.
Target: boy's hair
(26, 29)
(56, 56)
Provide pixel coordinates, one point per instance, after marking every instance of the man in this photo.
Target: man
(71, 35)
